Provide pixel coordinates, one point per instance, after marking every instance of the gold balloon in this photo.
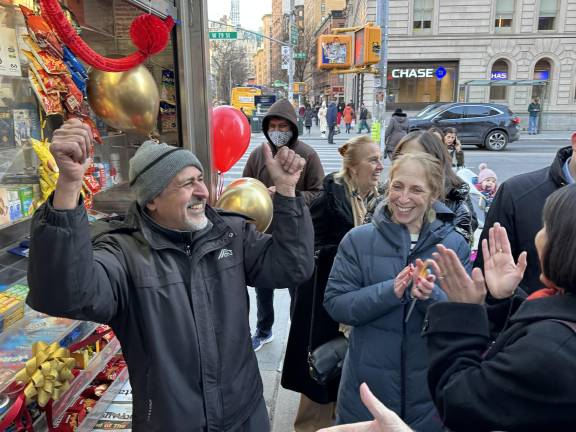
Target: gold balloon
(249, 197)
(128, 101)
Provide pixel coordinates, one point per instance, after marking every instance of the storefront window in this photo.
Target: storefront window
(504, 15)
(415, 85)
(423, 11)
(542, 71)
(548, 12)
(24, 122)
(499, 73)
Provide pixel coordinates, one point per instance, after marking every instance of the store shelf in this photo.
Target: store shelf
(16, 342)
(102, 406)
(79, 383)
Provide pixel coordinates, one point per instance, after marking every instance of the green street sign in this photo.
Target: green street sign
(299, 56)
(294, 35)
(223, 35)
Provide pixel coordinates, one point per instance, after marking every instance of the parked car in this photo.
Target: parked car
(485, 125)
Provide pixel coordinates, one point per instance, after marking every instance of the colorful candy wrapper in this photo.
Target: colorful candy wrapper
(50, 102)
(48, 170)
(50, 63)
(42, 33)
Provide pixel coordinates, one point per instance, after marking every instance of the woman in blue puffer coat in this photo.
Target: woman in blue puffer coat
(376, 277)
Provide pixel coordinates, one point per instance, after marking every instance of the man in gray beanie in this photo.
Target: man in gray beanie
(171, 280)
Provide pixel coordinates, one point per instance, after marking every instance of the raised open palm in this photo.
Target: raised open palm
(501, 273)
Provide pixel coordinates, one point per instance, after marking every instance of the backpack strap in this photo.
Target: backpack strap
(570, 324)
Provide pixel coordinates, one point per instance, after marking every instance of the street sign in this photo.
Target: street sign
(223, 35)
(294, 35)
(285, 57)
(300, 56)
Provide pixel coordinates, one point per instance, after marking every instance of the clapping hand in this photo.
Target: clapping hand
(502, 274)
(422, 282)
(454, 280)
(284, 168)
(385, 420)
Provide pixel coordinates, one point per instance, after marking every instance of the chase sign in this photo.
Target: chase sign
(439, 72)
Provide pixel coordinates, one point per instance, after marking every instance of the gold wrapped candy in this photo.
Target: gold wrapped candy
(47, 373)
(47, 170)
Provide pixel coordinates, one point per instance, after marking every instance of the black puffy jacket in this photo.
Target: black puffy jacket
(458, 200)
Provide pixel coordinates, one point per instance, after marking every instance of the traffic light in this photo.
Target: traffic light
(334, 52)
(299, 87)
(367, 41)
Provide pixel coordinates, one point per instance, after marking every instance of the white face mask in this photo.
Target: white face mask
(280, 138)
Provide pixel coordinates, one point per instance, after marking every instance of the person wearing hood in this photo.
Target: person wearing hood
(396, 130)
(331, 119)
(379, 285)
(279, 126)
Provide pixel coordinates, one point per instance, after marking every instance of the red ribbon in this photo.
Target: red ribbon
(148, 44)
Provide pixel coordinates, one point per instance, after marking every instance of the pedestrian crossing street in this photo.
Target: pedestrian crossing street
(328, 153)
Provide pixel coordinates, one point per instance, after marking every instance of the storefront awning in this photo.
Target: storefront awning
(498, 83)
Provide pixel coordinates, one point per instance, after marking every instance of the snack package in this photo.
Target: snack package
(41, 31)
(48, 170)
(73, 97)
(49, 62)
(76, 69)
(50, 102)
(49, 83)
(69, 423)
(95, 132)
(95, 391)
(111, 371)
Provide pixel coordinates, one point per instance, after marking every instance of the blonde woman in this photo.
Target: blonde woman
(340, 207)
(379, 286)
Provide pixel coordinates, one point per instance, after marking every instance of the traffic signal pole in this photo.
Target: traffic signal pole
(381, 79)
(291, 51)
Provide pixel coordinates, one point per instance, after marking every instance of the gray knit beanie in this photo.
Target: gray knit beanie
(154, 166)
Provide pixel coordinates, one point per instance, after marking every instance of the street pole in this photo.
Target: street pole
(291, 53)
(194, 85)
(381, 79)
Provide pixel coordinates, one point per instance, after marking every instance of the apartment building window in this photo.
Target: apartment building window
(548, 12)
(504, 15)
(499, 73)
(423, 11)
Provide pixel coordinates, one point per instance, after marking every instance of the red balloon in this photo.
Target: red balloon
(231, 136)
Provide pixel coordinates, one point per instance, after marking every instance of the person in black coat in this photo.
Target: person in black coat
(339, 208)
(518, 207)
(508, 365)
(523, 380)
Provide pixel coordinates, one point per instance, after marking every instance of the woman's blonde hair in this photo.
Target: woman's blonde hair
(433, 169)
(350, 153)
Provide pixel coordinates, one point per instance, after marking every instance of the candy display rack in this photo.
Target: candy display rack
(99, 410)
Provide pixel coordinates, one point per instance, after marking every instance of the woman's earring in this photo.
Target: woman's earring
(431, 214)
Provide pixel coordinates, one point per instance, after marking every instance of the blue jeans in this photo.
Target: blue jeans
(533, 124)
(363, 124)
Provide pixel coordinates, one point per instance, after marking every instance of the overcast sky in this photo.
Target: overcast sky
(251, 11)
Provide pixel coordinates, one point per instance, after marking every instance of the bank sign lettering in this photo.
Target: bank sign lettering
(498, 76)
(439, 73)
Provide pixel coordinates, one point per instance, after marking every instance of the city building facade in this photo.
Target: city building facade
(444, 51)
(320, 17)
(262, 57)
